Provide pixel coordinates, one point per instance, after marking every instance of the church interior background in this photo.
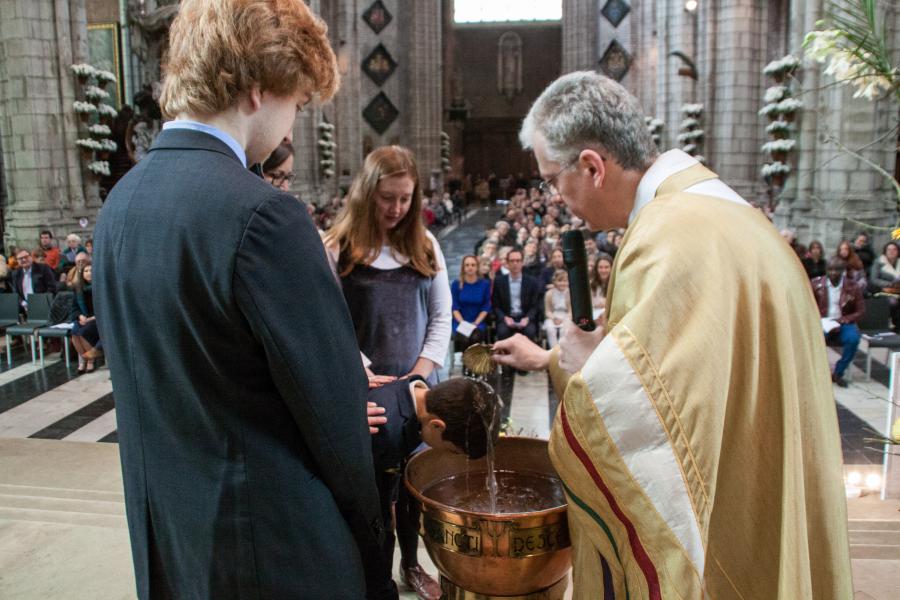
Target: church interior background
(411, 72)
(455, 92)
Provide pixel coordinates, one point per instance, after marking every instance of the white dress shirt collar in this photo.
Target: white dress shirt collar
(667, 164)
(213, 131)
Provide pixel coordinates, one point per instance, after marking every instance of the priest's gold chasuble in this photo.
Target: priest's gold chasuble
(699, 445)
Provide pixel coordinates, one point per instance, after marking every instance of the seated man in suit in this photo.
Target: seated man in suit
(454, 416)
(516, 300)
(31, 278)
(840, 299)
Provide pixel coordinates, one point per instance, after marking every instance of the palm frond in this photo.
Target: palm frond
(864, 39)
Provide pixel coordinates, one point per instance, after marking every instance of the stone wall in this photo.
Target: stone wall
(46, 185)
(832, 195)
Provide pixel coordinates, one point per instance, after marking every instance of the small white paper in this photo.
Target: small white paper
(465, 328)
(829, 325)
(63, 326)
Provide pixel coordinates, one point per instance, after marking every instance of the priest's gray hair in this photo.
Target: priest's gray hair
(587, 110)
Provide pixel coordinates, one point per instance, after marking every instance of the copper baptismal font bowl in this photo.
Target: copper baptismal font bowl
(520, 549)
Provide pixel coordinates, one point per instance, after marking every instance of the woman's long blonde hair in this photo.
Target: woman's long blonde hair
(356, 233)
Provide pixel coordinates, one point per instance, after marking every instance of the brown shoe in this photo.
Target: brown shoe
(93, 354)
(423, 584)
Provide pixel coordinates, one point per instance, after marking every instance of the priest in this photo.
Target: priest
(697, 434)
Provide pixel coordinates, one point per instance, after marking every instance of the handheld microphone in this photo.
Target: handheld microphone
(575, 259)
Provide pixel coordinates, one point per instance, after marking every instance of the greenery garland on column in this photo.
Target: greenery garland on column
(327, 148)
(781, 109)
(655, 127)
(692, 134)
(95, 116)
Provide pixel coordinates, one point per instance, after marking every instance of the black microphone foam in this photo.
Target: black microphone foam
(575, 259)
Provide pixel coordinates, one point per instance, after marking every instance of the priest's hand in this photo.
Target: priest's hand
(576, 345)
(520, 353)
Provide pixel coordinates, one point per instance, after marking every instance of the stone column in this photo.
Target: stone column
(733, 92)
(579, 35)
(39, 40)
(309, 184)
(347, 117)
(422, 22)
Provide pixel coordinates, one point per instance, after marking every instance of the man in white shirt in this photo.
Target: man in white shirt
(840, 299)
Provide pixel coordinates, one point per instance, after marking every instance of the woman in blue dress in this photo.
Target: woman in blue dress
(471, 302)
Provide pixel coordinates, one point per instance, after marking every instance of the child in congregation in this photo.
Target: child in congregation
(456, 415)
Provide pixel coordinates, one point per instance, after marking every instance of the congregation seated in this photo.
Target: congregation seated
(516, 300)
(840, 299)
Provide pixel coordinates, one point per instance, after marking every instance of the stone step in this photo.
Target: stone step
(873, 525)
(63, 517)
(9, 489)
(874, 539)
(875, 552)
(61, 505)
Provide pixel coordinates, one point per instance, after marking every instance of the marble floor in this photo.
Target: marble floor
(62, 528)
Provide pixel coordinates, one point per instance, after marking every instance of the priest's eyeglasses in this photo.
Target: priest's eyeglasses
(548, 186)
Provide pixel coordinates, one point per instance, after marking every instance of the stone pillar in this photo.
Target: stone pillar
(39, 40)
(579, 35)
(423, 77)
(347, 116)
(309, 184)
(734, 88)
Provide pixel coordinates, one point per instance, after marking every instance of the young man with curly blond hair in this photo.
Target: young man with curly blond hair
(240, 395)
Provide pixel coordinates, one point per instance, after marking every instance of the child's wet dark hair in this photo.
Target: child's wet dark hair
(467, 407)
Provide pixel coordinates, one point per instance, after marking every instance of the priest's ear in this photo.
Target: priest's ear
(595, 164)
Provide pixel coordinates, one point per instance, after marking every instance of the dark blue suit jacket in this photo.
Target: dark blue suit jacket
(402, 433)
(240, 396)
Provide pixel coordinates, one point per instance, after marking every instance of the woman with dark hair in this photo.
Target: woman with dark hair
(814, 261)
(600, 282)
(394, 279)
(855, 269)
(886, 270)
(471, 302)
(279, 167)
(85, 334)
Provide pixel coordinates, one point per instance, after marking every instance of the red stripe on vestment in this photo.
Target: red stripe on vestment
(643, 559)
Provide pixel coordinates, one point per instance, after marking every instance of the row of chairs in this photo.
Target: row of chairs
(38, 326)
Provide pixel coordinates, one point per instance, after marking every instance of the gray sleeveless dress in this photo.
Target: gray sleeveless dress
(389, 308)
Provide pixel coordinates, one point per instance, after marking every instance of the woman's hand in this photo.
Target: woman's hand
(375, 414)
(82, 320)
